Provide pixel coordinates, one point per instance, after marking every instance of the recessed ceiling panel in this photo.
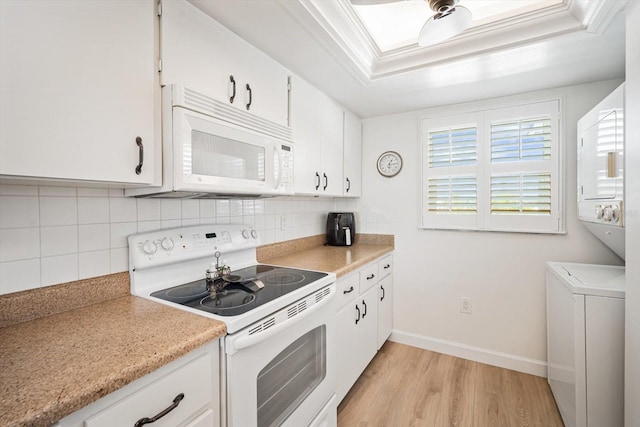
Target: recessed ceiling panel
(397, 24)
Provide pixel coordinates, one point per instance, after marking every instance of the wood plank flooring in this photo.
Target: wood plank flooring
(408, 386)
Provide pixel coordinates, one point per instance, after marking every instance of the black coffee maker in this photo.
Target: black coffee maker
(341, 228)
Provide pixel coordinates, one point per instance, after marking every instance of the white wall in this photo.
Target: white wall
(503, 273)
(632, 178)
(52, 235)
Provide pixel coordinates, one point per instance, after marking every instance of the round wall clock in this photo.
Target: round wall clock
(389, 164)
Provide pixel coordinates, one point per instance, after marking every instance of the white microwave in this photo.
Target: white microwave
(212, 150)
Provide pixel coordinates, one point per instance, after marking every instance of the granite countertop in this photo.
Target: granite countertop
(55, 365)
(311, 253)
(63, 347)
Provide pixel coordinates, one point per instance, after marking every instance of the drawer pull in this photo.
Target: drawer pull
(365, 309)
(140, 155)
(383, 293)
(371, 277)
(348, 291)
(174, 405)
(358, 310)
(387, 266)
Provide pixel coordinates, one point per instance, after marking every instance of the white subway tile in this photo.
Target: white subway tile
(119, 258)
(207, 208)
(18, 276)
(248, 207)
(93, 210)
(59, 269)
(93, 192)
(148, 226)
(58, 191)
(235, 207)
(170, 223)
(148, 209)
(170, 209)
(18, 190)
(190, 209)
(60, 240)
(122, 209)
(208, 221)
(222, 208)
(58, 211)
(92, 264)
(18, 212)
(258, 206)
(93, 237)
(190, 222)
(19, 243)
(120, 232)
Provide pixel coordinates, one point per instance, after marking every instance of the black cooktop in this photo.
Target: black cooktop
(233, 299)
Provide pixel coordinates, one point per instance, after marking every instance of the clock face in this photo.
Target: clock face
(389, 163)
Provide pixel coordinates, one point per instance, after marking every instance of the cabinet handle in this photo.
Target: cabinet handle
(365, 309)
(348, 291)
(250, 97)
(174, 405)
(140, 155)
(371, 277)
(386, 266)
(358, 310)
(317, 180)
(383, 293)
(348, 185)
(326, 181)
(233, 95)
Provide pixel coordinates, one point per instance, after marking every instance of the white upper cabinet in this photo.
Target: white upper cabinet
(352, 155)
(201, 54)
(317, 123)
(77, 87)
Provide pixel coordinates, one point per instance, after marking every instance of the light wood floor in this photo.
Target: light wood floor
(408, 386)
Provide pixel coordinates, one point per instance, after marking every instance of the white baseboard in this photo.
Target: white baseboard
(477, 354)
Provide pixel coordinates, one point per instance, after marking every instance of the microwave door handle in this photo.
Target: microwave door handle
(280, 168)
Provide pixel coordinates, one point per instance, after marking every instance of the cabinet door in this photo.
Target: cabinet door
(352, 155)
(317, 127)
(201, 54)
(77, 80)
(307, 164)
(385, 309)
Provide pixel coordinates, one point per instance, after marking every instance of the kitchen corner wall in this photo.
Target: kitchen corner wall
(502, 273)
(51, 235)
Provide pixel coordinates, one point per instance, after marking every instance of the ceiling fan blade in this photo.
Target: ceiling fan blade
(440, 28)
(373, 2)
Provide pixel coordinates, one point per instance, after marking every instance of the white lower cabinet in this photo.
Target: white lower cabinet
(187, 390)
(363, 320)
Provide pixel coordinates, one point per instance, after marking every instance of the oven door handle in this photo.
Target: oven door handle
(249, 340)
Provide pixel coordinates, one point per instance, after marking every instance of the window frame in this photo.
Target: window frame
(484, 169)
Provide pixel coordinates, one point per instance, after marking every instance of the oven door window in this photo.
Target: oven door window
(217, 156)
(291, 376)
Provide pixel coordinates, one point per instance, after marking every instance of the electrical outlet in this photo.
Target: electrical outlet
(283, 222)
(465, 305)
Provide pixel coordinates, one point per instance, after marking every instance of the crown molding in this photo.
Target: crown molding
(338, 28)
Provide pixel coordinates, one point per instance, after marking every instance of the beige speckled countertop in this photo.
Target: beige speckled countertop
(54, 365)
(310, 253)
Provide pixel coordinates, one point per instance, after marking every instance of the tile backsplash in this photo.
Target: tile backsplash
(51, 235)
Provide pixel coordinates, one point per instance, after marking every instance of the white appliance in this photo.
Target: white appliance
(212, 150)
(585, 342)
(601, 170)
(279, 366)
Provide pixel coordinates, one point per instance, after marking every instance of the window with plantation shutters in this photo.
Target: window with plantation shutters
(494, 169)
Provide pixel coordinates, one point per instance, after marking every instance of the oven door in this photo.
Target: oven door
(281, 370)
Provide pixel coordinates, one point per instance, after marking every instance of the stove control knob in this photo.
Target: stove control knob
(245, 234)
(610, 214)
(149, 247)
(254, 233)
(599, 211)
(167, 244)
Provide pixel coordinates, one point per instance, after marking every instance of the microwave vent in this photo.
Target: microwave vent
(212, 107)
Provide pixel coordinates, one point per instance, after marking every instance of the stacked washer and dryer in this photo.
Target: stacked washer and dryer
(585, 303)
